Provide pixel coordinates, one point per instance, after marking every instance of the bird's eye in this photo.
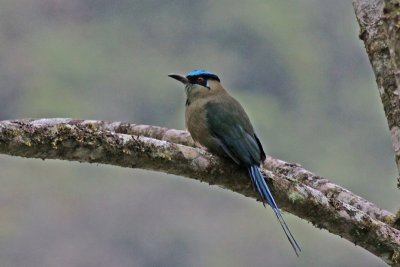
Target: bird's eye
(200, 80)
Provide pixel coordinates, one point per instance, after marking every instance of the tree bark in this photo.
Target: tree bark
(297, 190)
(379, 22)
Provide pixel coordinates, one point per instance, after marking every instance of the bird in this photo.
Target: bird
(218, 122)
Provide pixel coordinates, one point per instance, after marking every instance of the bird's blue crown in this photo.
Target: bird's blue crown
(200, 72)
(204, 73)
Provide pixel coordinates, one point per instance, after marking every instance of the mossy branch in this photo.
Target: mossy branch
(297, 190)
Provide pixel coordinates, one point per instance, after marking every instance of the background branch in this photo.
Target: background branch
(379, 29)
(297, 190)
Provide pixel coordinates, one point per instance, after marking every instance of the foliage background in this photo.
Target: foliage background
(297, 67)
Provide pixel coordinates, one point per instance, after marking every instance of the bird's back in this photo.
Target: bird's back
(219, 122)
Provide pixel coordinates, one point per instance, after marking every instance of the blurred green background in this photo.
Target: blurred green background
(299, 69)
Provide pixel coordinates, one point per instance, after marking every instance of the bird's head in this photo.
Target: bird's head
(198, 83)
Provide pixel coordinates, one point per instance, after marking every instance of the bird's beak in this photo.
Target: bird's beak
(180, 78)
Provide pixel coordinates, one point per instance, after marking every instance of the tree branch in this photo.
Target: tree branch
(379, 29)
(297, 190)
(291, 170)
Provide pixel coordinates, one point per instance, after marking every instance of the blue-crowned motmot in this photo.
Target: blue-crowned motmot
(217, 121)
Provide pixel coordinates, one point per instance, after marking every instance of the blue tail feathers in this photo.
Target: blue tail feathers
(262, 188)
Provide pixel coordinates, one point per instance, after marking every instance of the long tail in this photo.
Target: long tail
(262, 188)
